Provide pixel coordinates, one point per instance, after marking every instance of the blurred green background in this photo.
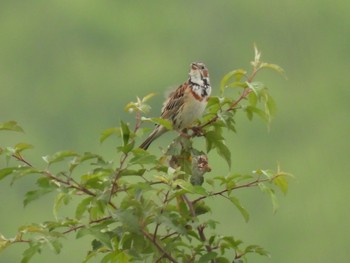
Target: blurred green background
(67, 68)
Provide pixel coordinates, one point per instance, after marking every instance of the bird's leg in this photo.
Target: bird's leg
(184, 134)
(197, 131)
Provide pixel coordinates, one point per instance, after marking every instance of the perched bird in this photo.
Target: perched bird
(185, 104)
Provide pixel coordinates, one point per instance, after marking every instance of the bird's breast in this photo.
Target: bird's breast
(193, 108)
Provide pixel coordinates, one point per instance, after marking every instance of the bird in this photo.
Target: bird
(186, 104)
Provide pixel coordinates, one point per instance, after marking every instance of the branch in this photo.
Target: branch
(249, 184)
(161, 212)
(82, 226)
(48, 174)
(158, 246)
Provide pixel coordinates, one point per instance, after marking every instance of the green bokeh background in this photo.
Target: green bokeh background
(67, 68)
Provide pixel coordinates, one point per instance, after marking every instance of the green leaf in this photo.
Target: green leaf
(282, 183)
(272, 195)
(96, 244)
(172, 222)
(33, 195)
(99, 231)
(107, 133)
(83, 206)
(129, 220)
(256, 249)
(30, 252)
(274, 67)
(61, 198)
(142, 157)
(85, 157)
(207, 257)
(223, 260)
(211, 138)
(187, 186)
(241, 209)
(270, 105)
(139, 172)
(213, 101)
(201, 208)
(58, 156)
(23, 171)
(55, 245)
(238, 74)
(6, 171)
(126, 148)
(22, 146)
(4, 243)
(148, 96)
(125, 132)
(224, 152)
(263, 115)
(231, 242)
(256, 87)
(253, 99)
(166, 123)
(10, 126)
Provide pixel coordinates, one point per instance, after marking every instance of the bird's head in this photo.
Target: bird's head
(199, 74)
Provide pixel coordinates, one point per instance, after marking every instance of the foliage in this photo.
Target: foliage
(145, 207)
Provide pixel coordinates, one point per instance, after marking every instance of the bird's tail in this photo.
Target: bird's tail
(158, 131)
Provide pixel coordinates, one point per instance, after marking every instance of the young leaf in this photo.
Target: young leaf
(282, 183)
(10, 126)
(274, 67)
(4, 243)
(58, 156)
(148, 96)
(22, 146)
(238, 74)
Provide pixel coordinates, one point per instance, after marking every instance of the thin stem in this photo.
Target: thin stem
(169, 235)
(117, 175)
(161, 212)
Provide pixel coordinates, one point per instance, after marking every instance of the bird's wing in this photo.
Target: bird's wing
(174, 102)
